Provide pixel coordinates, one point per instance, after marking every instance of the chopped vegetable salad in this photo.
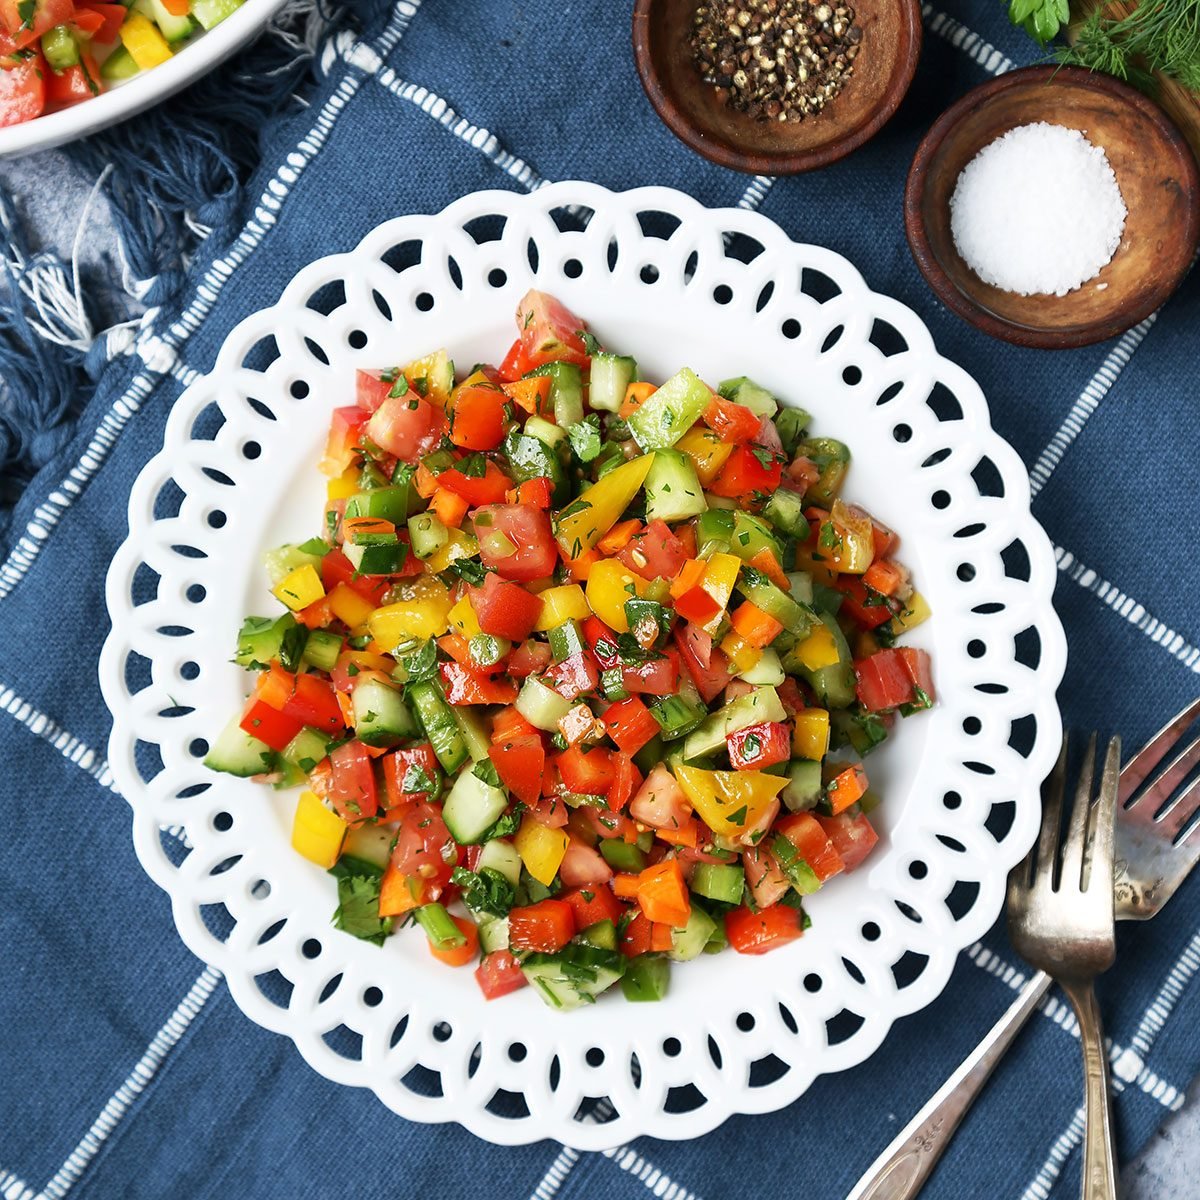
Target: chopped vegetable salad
(581, 673)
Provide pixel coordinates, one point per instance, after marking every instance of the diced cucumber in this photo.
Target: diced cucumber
(384, 559)
(719, 882)
(714, 532)
(381, 718)
(785, 510)
(60, 48)
(474, 735)
(210, 13)
(371, 477)
(541, 706)
(832, 459)
(622, 855)
(646, 978)
(545, 431)
(862, 731)
(493, 934)
(804, 787)
(612, 684)
(611, 375)
(471, 808)
(261, 639)
(371, 843)
(576, 975)
(566, 640)
(501, 855)
(118, 66)
(801, 587)
(762, 704)
(835, 684)
(322, 649)
(437, 719)
(427, 533)
(486, 649)
(751, 535)
(775, 602)
(602, 935)
(748, 393)
(532, 457)
(670, 412)
(174, 28)
(237, 753)
(689, 942)
(767, 672)
(800, 875)
(283, 560)
(673, 493)
(677, 716)
(566, 391)
(792, 425)
(827, 599)
(306, 749)
(393, 504)
(723, 502)
(437, 461)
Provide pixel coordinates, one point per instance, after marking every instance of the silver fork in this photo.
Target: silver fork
(1150, 865)
(1061, 919)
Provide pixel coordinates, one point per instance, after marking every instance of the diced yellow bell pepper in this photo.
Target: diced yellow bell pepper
(818, 649)
(438, 373)
(458, 545)
(463, 618)
(542, 849)
(609, 585)
(300, 588)
(740, 652)
(559, 604)
(343, 487)
(915, 610)
(317, 833)
(421, 610)
(146, 45)
(706, 450)
(719, 577)
(349, 607)
(847, 539)
(586, 520)
(810, 738)
(729, 802)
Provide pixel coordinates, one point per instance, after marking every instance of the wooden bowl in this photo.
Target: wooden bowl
(696, 115)
(1155, 171)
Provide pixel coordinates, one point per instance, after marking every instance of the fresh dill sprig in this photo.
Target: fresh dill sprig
(1158, 35)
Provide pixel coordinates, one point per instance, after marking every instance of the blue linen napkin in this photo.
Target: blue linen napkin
(128, 1071)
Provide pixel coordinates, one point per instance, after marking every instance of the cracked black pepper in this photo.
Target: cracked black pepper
(776, 60)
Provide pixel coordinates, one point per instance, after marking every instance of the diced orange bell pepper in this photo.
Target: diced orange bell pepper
(768, 564)
(625, 886)
(425, 481)
(758, 628)
(449, 507)
(530, 395)
(847, 788)
(689, 577)
(662, 894)
(883, 576)
(636, 394)
(618, 537)
(581, 568)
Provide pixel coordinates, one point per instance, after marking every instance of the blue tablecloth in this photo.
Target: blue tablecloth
(126, 1069)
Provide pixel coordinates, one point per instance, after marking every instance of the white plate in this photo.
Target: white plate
(912, 468)
(144, 90)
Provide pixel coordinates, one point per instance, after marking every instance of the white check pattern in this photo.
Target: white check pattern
(160, 356)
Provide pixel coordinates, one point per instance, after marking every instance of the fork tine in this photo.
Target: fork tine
(1138, 768)
(1171, 777)
(1106, 812)
(1181, 809)
(1020, 878)
(1077, 829)
(1052, 804)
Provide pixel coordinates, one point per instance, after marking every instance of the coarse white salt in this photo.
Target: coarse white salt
(1038, 210)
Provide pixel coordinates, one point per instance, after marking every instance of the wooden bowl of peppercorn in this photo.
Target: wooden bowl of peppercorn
(776, 87)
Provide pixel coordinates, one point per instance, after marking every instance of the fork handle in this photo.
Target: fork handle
(900, 1171)
(1099, 1150)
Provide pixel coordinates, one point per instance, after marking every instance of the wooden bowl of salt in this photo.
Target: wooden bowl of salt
(999, 228)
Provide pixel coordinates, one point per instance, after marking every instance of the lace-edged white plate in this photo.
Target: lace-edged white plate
(660, 277)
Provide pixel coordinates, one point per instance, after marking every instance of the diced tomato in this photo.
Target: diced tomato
(892, 677)
(852, 836)
(920, 670)
(660, 802)
(477, 416)
(759, 746)
(630, 724)
(603, 642)
(345, 432)
(655, 553)
(812, 843)
(459, 956)
(488, 488)
(708, 666)
(658, 677)
(498, 974)
(546, 926)
(337, 568)
(26, 27)
(514, 364)
(407, 426)
(505, 609)
(583, 867)
(520, 762)
(731, 422)
(370, 390)
(574, 676)
(352, 789)
(411, 776)
(465, 685)
(606, 824)
(549, 332)
(529, 658)
(884, 539)
(766, 880)
(626, 782)
(790, 696)
(268, 724)
(636, 938)
(749, 473)
(592, 904)
(588, 772)
(516, 541)
(425, 850)
(549, 810)
(767, 929)
(112, 17)
(80, 82)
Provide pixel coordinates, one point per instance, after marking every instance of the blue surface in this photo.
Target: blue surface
(91, 967)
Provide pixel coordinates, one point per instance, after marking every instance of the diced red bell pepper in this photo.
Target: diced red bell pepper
(696, 606)
(498, 974)
(465, 685)
(488, 488)
(520, 762)
(529, 658)
(630, 724)
(626, 781)
(574, 676)
(411, 776)
(546, 926)
(889, 678)
(81, 81)
(759, 746)
(477, 416)
(514, 364)
(592, 904)
(709, 673)
(505, 609)
(767, 929)
(812, 844)
(731, 422)
(868, 608)
(112, 18)
(268, 724)
(749, 472)
(636, 938)
(537, 492)
(588, 772)
(337, 568)
(352, 788)
(603, 642)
